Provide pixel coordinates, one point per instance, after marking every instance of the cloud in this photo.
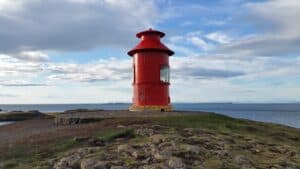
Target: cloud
(277, 22)
(21, 84)
(190, 44)
(179, 10)
(8, 95)
(31, 56)
(11, 67)
(201, 67)
(8, 6)
(199, 42)
(212, 73)
(70, 25)
(109, 79)
(218, 37)
(108, 69)
(224, 67)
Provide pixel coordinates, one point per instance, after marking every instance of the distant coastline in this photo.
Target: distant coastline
(6, 122)
(281, 113)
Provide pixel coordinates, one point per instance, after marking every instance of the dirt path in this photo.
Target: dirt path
(44, 129)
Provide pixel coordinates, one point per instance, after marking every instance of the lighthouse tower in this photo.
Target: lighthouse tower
(151, 73)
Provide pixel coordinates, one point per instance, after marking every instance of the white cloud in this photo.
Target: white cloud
(110, 69)
(190, 43)
(218, 37)
(20, 83)
(8, 5)
(32, 56)
(200, 43)
(5, 95)
(278, 23)
(281, 15)
(11, 67)
(105, 81)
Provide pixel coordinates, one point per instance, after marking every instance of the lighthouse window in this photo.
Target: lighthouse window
(165, 74)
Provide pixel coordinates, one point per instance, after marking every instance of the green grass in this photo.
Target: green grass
(224, 124)
(29, 155)
(26, 155)
(208, 121)
(112, 134)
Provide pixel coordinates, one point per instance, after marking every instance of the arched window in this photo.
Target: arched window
(165, 74)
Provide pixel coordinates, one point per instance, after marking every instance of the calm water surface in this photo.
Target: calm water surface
(287, 114)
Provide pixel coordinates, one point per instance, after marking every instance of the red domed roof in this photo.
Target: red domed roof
(150, 41)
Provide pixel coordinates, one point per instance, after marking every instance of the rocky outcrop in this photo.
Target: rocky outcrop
(161, 147)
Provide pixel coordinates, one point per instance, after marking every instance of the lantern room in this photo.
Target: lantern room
(151, 73)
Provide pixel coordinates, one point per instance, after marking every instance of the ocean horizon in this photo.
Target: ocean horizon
(280, 113)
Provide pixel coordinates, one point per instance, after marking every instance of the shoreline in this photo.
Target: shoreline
(283, 113)
(243, 115)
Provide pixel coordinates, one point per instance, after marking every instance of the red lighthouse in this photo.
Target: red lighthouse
(151, 73)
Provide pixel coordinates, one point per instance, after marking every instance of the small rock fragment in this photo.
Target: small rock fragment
(241, 159)
(176, 163)
(163, 155)
(93, 163)
(124, 148)
(190, 148)
(157, 138)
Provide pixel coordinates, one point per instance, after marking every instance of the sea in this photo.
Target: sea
(280, 113)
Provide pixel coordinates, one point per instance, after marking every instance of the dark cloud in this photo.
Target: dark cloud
(72, 25)
(265, 46)
(204, 73)
(276, 25)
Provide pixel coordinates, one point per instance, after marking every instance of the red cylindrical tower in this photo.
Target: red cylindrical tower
(151, 73)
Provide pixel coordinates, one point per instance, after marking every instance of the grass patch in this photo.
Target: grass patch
(140, 139)
(266, 132)
(26, 155)
(208, 121)
(29, 155)
(10, 164)
(112, 134)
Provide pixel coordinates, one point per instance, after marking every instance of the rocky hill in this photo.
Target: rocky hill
(173, 141)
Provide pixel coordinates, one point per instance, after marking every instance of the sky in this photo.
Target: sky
(75, 51)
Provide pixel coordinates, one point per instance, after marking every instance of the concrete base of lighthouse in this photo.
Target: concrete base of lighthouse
(151, 108)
